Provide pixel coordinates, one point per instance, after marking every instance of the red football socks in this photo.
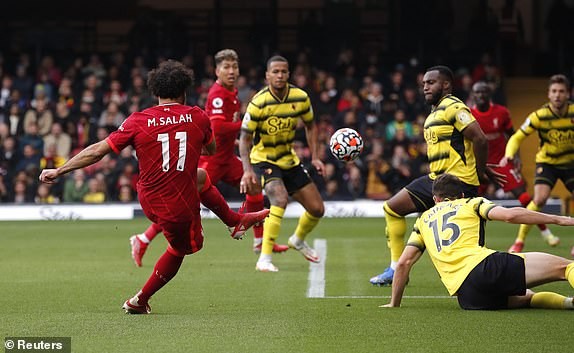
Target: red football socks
(164, 270)
(211, 198)
(254, 203)
(152, 231)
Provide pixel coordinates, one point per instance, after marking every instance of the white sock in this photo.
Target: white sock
(569, 303)
(546, 232)
(394, 265)
(143, 238)
(295, 240)
(257, 241)
(264, 258)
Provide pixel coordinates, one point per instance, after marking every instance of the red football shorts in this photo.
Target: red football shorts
(183, 238)
(229, 171)
(184, 235)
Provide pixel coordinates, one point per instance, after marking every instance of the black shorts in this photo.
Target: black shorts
(488, 286)
(548, 174)
(420, 191)
(294, 178)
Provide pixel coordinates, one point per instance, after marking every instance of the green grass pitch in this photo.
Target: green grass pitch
(70, 279)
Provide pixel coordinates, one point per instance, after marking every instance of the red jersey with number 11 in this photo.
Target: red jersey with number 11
(168, 140)
(494, 123)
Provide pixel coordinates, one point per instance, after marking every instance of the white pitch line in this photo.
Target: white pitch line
(316, 283)
(388, 297)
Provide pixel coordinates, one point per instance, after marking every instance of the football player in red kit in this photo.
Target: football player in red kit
(168, 140)
(224, 111)
(494, 120)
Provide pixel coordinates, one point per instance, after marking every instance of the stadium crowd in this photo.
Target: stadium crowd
(51, 110)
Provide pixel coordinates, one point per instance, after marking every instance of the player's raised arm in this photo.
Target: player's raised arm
(86, 157)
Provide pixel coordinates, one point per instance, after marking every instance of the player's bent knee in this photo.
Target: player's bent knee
(317, 212)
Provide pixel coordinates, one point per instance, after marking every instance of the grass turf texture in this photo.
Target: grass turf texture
(70, 279)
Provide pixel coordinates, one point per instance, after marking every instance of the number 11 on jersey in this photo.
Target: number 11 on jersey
(164, 139)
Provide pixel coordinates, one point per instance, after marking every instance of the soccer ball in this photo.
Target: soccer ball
(346, 144)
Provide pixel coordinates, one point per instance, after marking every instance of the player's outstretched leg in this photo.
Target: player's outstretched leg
(395, 231)
(164, 270)
(307, 223)
(140, 242)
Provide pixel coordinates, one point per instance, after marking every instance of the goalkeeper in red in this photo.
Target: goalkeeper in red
(224, 110)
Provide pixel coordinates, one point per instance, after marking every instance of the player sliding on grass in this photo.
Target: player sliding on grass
(223, 108)
(168, 140)
(453, 233)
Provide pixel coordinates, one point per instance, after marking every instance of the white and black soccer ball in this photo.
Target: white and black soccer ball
(346, 144)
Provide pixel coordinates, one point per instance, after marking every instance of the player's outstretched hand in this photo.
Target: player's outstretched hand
(504, 161)
(493, 176)
(48, 176)
(565, 221)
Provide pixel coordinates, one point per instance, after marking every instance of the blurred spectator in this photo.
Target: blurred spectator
(95, 192)
(5, 93)
(44, 195)
(412, 104)
(30, 160)
(75, 187)
(399, 123)
(21, 193)
(23, 82)
(58, 138)
(31, 137)
(40, 115)
(112, 117)
(4, 195)
(66, 94)
(126, 194)
(374, 100)
(8, 158)
(52, 73)
(115, 94)
(138, 95)
(15, 121)
(51, 158)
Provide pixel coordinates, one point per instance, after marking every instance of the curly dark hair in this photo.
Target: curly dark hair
(170, 79)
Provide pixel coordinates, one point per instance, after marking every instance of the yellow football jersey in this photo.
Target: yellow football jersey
(453, 234)
(556, 135)
(273, 121)
(447, 149)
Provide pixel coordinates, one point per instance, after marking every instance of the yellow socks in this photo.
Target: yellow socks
(569, 274)
(395, 231)
(271, 229)
(549, 300)
(306, 224)
(524, 228)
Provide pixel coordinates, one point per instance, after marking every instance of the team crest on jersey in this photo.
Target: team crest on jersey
(268, 171)
(246, 119)
(217, 102)
(463, 117)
